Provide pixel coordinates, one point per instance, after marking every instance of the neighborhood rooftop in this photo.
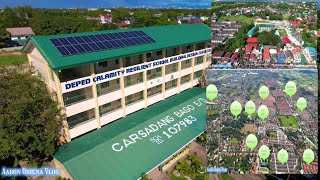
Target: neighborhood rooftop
(164, 36)
(20, 31)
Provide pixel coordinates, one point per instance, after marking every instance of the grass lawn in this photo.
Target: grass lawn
(10, 58)
(288, 121)
(241, 18)
(282, 32)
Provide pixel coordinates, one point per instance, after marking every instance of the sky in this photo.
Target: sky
(107, 3)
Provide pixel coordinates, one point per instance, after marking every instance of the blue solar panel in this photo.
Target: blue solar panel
(93, 38)
(108, 45)
(64, 41)
(98, 42)
(87, 47)
(94, 46)
(72, 40)
(79, 48)
(79, 39)
(71, 49)
(86, 38)
(56, 42)
(63, 51)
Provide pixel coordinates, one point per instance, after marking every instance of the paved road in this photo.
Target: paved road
(11, 48)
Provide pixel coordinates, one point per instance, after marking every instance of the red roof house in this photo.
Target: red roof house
(252, 40)
(266, 54)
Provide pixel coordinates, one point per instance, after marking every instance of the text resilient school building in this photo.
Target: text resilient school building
(102, 78)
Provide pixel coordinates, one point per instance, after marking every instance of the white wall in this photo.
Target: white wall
(83, 128)
(153, 99)
(111, 116)
(171, 92)
(134, 89)
(109, 97)
(134, 106)
(79, 107)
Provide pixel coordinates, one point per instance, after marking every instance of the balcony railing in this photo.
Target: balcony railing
(170, 70)
(108, 109)
(134, 99)
(108, 89)
(72, 99)
(78, 119)
(185, 65)
(185, 79)
(154, 75)
(133, 81)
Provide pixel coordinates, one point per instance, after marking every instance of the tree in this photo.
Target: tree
(30, 121)
(4, 35)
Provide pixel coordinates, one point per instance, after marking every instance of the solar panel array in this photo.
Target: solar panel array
(99, 42)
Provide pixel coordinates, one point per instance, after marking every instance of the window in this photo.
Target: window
(198, 74)
(185, 79)
(80, 118)
(105, 85)
(134, 97)
(159, 53)
(140, 59)
(77, 96)
(148, 55)
(128, 63)
(188, 47)
(171, 84)
(128, 80)
(175, 52)
(106, 105)
(103, 64)
(187, 61)
(158, 69)
(199, 59)
(148, 72)
(117, 61)
(154, 90)
(174, 67)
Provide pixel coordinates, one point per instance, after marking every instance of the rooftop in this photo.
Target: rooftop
(252, 40)
(165, 36)
(92, 156)
(20, 31)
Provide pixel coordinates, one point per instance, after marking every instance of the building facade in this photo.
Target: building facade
(98, 88)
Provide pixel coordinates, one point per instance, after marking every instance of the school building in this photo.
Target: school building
(133, 89)
(100, 77)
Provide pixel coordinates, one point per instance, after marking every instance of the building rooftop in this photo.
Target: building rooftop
(266, 54)
(92, 157)
(165, 37)
(252, 40)
(218, 54)
(20, 31)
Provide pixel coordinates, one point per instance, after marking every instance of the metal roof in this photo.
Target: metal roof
(92, 156)
(165, 36)
(20, 31)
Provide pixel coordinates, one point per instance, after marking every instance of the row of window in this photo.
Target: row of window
(114, 85)
(115, 105)
(109, 65)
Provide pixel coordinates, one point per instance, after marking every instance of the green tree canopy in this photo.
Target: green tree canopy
(30, 121)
